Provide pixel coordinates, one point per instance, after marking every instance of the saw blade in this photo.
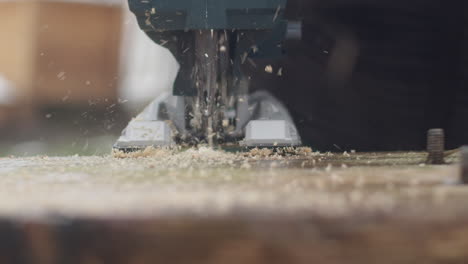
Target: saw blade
(211, 69)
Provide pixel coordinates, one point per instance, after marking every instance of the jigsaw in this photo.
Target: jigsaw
(210, 102)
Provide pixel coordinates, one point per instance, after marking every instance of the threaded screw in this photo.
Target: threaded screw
(436, 146)
(464, 164)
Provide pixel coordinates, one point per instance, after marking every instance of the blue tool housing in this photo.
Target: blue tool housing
(166, 15)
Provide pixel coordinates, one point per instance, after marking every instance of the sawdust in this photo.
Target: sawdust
(256, 152)
(279, 153)
(177, 158)
(201, 157)
(146, 153)
(205, 156)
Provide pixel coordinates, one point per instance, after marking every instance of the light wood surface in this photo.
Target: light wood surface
(214, 208)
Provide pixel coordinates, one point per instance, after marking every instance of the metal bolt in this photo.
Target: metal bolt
(464, 164)
(436, 146)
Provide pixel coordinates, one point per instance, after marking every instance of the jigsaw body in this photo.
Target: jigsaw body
(211, 103)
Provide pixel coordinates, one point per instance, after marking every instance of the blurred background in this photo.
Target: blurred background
(72, 73)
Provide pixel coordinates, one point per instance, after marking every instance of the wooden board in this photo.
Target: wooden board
(187, 208)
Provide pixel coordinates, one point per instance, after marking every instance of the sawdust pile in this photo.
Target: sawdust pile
(208, 157)
(201, 157)
(146, 153)
(279, 153)
(175, 158)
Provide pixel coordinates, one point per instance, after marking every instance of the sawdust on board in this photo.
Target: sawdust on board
(203, 181)
(201, 156)
(146, 153)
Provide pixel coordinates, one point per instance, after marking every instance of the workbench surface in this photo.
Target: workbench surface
(217, 206)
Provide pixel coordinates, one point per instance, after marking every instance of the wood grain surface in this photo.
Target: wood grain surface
(372, 208)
